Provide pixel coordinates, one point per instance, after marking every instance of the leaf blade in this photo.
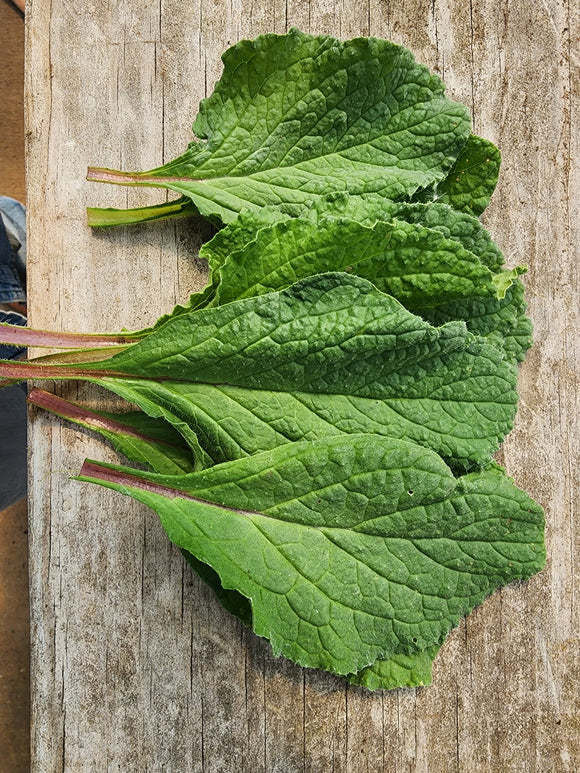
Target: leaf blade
(294, 116)
(340, 571)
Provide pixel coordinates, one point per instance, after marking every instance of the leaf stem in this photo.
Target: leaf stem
(80, 414)
(71, 411)
(16, 335)
(99, 174)
(95, 472)
(103, 217)
(21, 370)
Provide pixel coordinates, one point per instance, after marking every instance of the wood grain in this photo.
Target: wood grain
(135, 666)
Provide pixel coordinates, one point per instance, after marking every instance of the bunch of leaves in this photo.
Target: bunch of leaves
(316, 427)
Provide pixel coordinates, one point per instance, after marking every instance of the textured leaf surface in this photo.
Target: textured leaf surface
(294, 117)
(331, 353)
(348, 549)
(463, 227)
(398, 670)
(424, 245)
(155, 444)
(418, 266)
(140, 438)
(503, 322)
(472, 179)
(460, 410)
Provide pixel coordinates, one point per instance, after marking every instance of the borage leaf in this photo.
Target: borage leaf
(399, 670)
(137, 436)
(503, 322)
(472, 179)
(331, 351)
(294, 117)
(155, 444)
(418, 266)
(367, 209)
(425, 255)
(349, 549)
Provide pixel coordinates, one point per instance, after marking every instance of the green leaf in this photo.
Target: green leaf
(138, 437)
(232, 601)
(329, 354)
(472, 179)
(348, 548)
(461, 410)
(420, 267)
(464, 228)
(258, 242)
(295, 117)
(398, 670)
(502, 322)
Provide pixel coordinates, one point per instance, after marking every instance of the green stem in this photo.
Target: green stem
(104, 217)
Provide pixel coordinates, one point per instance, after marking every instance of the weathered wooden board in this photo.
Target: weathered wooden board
(135, 665)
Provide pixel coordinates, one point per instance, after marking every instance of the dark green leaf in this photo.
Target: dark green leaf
(471, 180)
(294, 117)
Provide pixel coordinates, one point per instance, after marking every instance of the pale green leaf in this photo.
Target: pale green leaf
(399, 670)
(348, 548)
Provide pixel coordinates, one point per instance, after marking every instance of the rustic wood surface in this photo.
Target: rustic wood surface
(135, 667)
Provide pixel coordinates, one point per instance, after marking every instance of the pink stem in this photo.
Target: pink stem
(106, 475)
(20, 370)
(74, 412)
(98, 174)
(16, 335)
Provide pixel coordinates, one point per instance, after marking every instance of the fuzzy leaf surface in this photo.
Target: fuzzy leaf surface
(472, 179)
(245, 253)
(328, 354)
(503, 322)
(399, 670)
(294, 117)
(463, 227)
(418, 266)
(159, 447)
(348, 549)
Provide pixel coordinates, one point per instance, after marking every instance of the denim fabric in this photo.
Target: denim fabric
(13, 215)
(10, 283)
(12, 445)
(12, 398)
